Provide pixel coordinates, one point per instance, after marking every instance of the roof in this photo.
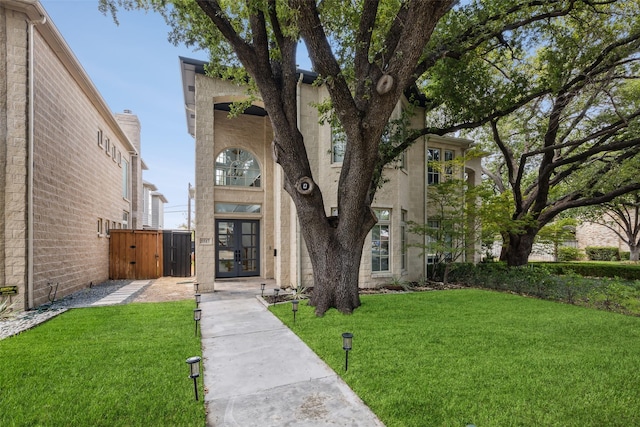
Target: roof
(190, 67)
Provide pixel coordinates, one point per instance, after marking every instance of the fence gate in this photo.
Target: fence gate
(135, 254)
(177, 253)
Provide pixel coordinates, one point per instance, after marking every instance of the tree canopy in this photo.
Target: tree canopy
(475, 62)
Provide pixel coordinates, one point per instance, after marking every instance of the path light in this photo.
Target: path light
(275, 295)
(197, 315)
(294, 308)
(262, 285)
(198, 300)
(195, 287)
(194, 371)
(347, 339)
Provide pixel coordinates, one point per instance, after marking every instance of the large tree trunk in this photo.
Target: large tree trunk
(634, 253)
(519, 249)
(335, 277)
(335, 256)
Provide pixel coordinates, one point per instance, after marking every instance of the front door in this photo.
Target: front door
(238, 248)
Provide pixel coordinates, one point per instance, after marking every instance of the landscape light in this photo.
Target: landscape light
(194, 372)
(275, 295)
(294, 308)
(197, 315)
(347, 341)
(198, 296)
(195, 287)
(262, 285)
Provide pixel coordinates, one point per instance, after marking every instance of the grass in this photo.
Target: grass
(453, 358)
(106, 366)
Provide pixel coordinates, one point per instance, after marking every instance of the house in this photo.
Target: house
(153, 208)
(70, 170)
(246, 224)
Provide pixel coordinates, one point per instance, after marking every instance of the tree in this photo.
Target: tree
(577, 144)
(622, 217)
(453, 225)
(556, 233)
(368, 53)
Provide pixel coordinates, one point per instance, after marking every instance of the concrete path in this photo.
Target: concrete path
(259, 373)
(119, 296)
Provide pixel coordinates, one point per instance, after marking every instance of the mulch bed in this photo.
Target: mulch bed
(286, 295)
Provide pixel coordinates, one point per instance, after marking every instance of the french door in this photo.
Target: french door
(237, 248)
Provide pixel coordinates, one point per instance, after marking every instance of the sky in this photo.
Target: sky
(135, 68)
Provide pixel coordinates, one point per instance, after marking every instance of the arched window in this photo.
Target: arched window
(237, 167)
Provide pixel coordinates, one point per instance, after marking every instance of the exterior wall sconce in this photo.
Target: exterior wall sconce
(198, 296)
(294, 308)
(197, 315)
(275, 295)
(194, 372)
(262, 286)
(347, 341)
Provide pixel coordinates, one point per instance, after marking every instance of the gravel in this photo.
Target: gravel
(83, 298)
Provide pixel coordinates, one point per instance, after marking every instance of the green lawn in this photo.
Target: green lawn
(106, 366)
(453, 358)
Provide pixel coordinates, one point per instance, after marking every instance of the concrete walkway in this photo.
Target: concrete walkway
(259, 373)
(119, 296)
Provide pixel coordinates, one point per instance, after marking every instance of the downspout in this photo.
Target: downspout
(464, 200)
(30, 166)
(298, 242)
(425, 273)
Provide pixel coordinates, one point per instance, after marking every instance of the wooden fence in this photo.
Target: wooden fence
(135, 254)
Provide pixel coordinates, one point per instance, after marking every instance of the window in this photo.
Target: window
(237, 167)
(388, 138)
(432, 241)
(125, 219)
(107, 146)
(106, 227)
(113, 152)
(125, 179)
(119, 158)
(100, 143)
(99, 227)
(338, 144)
(448, 163)
(380, 239)
(403, 240)
(433, 170)
(236, 208)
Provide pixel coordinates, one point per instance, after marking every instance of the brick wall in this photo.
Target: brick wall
(14, 147)
(76, 181)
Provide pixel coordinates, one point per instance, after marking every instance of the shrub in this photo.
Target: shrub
(625, 255)
(566, 253)
(602, 253)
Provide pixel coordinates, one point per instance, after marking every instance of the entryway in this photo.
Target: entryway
(237, 248)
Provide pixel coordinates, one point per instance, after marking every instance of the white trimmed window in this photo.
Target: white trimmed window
(433, 168)
(448, 163)
(237, 168)
(403, 240)
(125, 219)
(381, 241)
(338, 144)
(125, 179)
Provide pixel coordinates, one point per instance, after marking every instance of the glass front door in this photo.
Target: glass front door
(238, 248)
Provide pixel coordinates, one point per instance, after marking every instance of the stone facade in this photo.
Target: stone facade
(58, 206)
(283, 254)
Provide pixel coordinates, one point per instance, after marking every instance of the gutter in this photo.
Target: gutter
(298, 242)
